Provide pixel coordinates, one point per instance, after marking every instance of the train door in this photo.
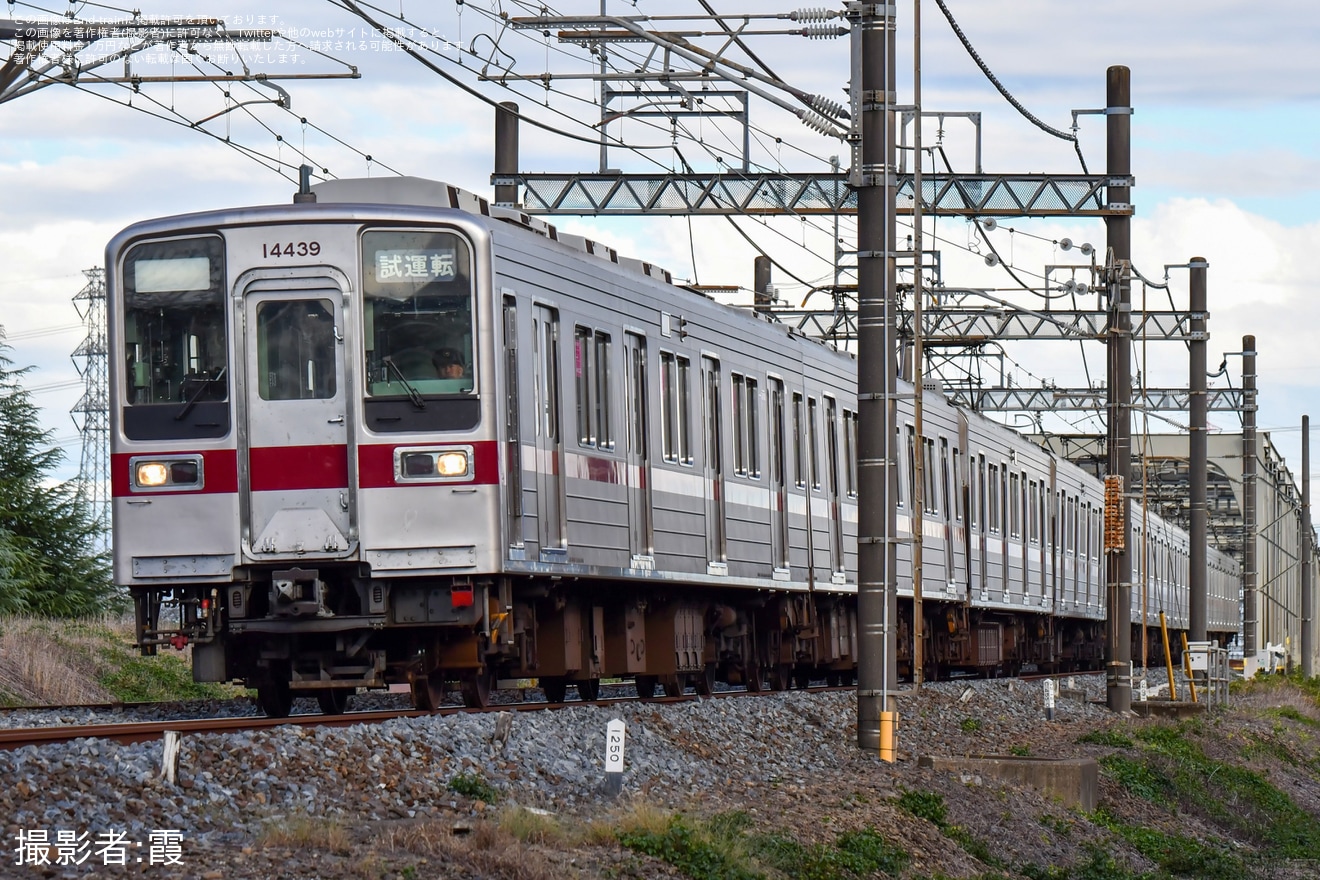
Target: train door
(778, 499)
(638, 452)
(513, 478)
(295, 436)
(713, 464)
(549, 445)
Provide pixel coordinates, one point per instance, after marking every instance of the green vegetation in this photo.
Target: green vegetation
(926, 805)
(930, 806)
(470, 785)
(1107, 737)
(1177, 854)
(1099, 865)
(48, 566)
(688, 847)
(970, 725)
(163, 677)
(1170, 768)
(721, 848)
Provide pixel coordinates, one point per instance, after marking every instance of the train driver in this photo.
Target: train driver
(448, 364)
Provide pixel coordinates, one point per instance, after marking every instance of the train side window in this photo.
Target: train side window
(752, 432)
(832, 446)
(799, 468)
(931, 478)
(591, 375)
(1033, 511)
(604, 391)
(957, 484)
(912, 466)
(944, 476)
(980, 508)
(850, 451)
(1074, 530)
(813, 445)
(675, 443)
(745, 460)
(583, 356)
(898, 459)
(1014, 507)
(994, 499)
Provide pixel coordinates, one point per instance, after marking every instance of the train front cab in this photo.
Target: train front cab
(265, 486)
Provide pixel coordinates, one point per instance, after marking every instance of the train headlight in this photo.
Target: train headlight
(158, 474)
(452, 464)
(151, 474)
(447, 464)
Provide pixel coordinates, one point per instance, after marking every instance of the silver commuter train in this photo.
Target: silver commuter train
(399, 435)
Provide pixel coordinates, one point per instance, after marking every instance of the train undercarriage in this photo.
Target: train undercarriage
(325, 633)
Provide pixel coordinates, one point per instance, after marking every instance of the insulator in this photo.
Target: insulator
(819, 123)
(827, 107)
(815, 13)
(823, 32)
(992, 259)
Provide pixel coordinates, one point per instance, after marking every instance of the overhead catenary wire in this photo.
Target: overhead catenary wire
(1003, 90)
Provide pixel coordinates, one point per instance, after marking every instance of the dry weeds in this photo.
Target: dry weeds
(484, 847)
(53, 663)
(303, 832)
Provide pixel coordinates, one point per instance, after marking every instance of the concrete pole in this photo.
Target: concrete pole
(1307, 544)
(506, 152)
(876, 182)
(1248, 496)
(1118, 227)
(1198, 453)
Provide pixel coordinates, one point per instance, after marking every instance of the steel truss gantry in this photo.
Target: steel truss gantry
(733, 193)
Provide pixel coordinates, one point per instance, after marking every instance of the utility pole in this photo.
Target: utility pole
(1307, 545)
(877, 528)
(1198, 455)
(1118, 570)
(1249, 498)
(918, 370)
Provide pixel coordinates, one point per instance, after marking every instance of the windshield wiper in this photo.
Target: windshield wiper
(407, 386)
(197, 395)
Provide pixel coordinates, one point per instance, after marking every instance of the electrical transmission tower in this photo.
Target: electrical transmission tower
(91, 413)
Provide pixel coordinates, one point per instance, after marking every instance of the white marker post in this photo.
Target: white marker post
(614, 736)
(1049, 699)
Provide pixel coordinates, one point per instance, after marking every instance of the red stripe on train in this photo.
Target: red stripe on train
(283, 468)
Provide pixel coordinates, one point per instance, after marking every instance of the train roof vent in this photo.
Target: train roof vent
(646, 269)
(401, 191)
(587, 246)
(522, 218)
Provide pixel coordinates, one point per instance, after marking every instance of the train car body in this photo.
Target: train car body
(398, 435)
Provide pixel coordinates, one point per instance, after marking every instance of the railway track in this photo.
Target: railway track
(149, 731)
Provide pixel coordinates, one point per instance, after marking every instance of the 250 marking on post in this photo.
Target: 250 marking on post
(291, 249)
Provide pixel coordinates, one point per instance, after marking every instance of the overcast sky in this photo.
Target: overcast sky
(1226, 155)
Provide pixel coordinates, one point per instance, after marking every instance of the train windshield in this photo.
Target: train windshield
(176, 346)
(417, 289)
